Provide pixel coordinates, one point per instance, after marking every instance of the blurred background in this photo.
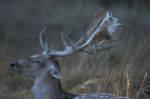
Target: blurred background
(129, 60)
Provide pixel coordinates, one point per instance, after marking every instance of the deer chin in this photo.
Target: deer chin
(27, 75)
(17, 70)
(20, 71)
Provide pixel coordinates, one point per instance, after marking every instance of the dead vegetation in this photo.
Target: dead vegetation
(119, 71)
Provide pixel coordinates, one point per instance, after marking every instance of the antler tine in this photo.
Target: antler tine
(66, 40)
(43, 41)
(82, 46)
(114, 24)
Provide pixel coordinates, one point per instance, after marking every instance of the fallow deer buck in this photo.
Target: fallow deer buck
(44, 67)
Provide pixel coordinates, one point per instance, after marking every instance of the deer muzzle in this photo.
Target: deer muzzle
(13, 65)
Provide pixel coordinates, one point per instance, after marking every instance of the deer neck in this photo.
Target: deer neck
(46, 87)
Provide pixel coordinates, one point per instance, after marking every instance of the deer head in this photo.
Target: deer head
(45, 62)
(38, 64)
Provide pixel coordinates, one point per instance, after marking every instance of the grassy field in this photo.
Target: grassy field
(123, 70)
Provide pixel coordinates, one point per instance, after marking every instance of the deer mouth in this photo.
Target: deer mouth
(14, 69)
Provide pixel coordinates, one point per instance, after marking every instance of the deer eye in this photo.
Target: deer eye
(35, 61)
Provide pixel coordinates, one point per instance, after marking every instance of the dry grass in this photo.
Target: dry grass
(118, 82)
(119, 71)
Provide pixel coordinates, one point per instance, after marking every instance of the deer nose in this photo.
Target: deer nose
(12, 65)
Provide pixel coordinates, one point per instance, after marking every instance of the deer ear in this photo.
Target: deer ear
(54, 71)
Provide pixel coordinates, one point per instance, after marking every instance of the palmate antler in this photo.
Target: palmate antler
(95, 39)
